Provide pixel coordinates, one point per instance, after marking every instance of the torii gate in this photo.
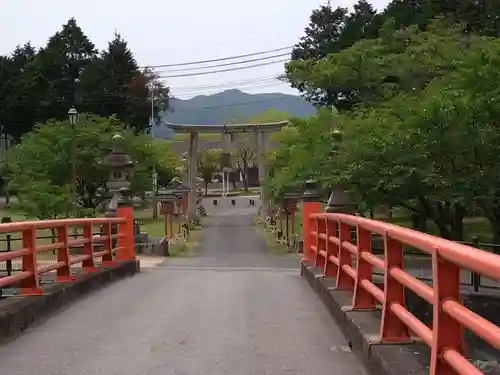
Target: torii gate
(259, 130)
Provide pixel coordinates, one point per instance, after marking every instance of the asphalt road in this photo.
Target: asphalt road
(229, 309)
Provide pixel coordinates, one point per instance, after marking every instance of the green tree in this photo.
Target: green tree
(114, 84)
(399, 61)
(44, 154)
(17, 100)
(43, 201)
(209, 163)
(321, 38)
(36, 86)
(303, 146)
(167, 162)
(56, 72)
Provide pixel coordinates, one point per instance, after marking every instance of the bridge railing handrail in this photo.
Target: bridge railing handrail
(331, 249)
(100, 246)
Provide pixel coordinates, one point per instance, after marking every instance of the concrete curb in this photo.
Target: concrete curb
(361, 329)
(18, 313)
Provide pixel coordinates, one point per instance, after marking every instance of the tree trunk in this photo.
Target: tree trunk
(457, 223)
(244, 175)
(449, 220)
(419, 222)
(233, 180)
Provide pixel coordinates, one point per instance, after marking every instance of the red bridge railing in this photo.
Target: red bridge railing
(327, 244)
(92, 247)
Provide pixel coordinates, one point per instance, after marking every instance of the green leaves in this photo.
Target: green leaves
(42, 162)
(38, 86)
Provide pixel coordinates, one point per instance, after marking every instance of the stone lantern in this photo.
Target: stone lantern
(120, 168)
(339, 202)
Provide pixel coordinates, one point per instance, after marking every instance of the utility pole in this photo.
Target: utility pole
(155, 175)
(5, 142)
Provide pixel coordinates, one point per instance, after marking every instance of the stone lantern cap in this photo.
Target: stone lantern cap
(117, 158)
(339, 202)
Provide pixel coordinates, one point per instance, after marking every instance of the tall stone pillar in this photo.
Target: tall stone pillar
(225, 162)
(261, 164)
(193, 175)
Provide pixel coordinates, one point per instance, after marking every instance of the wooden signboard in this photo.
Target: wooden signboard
(167, 207)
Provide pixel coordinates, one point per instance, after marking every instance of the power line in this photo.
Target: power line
(224, 70)
(219, 59)
(227, 64)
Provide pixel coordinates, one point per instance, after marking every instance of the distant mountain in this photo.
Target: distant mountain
(229, 105)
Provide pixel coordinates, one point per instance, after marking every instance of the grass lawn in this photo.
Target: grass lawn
(156, 228)
(153, 227)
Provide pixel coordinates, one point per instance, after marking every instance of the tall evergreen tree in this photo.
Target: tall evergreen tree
(409, 12)
(114, 84)
(321, 38)
(358, 24)
(57, 69)
(17, 101)
(329, 31)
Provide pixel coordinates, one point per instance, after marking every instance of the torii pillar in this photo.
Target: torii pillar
(260, 140)
(193, 175)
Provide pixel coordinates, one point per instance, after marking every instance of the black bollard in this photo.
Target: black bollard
(215, 202)
(233, 202)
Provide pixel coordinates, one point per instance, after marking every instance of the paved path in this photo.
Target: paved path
(230, 309)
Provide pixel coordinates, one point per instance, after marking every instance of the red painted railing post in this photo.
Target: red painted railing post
(320, 243)
(362, 298)
(344, 281)
(310, 205)
(331, 269)
(31, 284)
(107, 259)
(392, 329)
(125, 210)
(88, 248)
(447, 332)
(63, 273)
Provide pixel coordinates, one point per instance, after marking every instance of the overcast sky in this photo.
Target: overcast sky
(175, 31)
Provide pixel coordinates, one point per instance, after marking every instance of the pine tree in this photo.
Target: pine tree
(329, 31)
(322, 34)
(358, 24)
(57, 69)
(115, 85)
(17, 108)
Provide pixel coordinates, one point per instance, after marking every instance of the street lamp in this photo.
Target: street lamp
(73, 119)
(73, 116)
